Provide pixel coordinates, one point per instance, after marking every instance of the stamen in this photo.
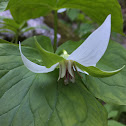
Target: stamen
(66, 79)
(70, 68)
(60, 71)
(76, 70)
(66, 71)
(63, 69)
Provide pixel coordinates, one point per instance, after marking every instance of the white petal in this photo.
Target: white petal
(61, 10)
(91, 51)
(35, 67)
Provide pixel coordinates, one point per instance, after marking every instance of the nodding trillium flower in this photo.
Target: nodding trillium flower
(83, 59)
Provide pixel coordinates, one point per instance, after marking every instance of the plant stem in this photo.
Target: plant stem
(55, 30)
(16, 38)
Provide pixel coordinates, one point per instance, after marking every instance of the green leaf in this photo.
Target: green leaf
(8, 28)
(44, 41)
(85, 29)
(6, 31)
(96, 10)
(112, 114)
(27, 28)
(110, 89)
(69, 46)
(96, 72)
(114, 123)
(39, 10)
(4, 41)
(113, 109)
(72, 14)
(10, 25)
(48, 58)
(3, 5)
(11, 22)
(29, 99)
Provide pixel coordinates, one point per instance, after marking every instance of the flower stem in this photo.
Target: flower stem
(55, 30)
(16, 37)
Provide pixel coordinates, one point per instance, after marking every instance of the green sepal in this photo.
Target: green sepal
(96, 72)
(48, 58)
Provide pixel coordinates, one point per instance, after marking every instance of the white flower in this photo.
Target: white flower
(87, 54)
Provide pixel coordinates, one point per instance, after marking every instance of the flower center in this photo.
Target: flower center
(66, 71)
(65, 55)
(67, 68)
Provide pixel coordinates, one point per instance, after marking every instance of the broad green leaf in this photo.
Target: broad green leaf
(115, 112)
(114, 123)
(96, 72)
(110, 89)
(29, 99)
(112, 112)
(69, 46)
(48, 58)
(111, 108)
(17, 7)
(44, 41)
(4, 41)
(98, 10)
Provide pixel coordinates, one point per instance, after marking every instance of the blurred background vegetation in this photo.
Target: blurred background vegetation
(73, 25)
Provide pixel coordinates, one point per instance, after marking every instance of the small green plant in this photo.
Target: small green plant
(10, 26)
(16, 29)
